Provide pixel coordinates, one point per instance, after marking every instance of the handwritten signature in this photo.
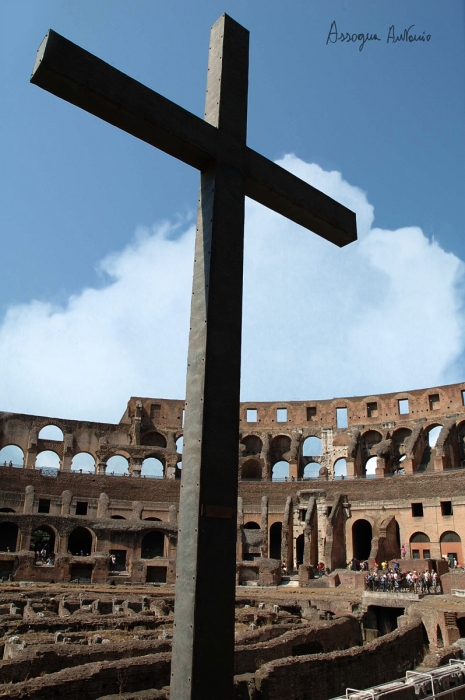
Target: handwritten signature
(392, 38)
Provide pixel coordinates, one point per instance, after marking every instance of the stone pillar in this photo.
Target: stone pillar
(30, 458)
(287, 554)
(322, 509)
(32, 449)
(170, 442)
(136, 512)
(68, 445)
(170, 467)
(293, 470)
(350, 468)
(65, 465)
(173, 514)
(102, 507)
(380, 467)
(135, 466)
(265, 456)
(264, 528)
(408, 465)
(28, 500)
(66, 498)
(171, 546)
(101, 467)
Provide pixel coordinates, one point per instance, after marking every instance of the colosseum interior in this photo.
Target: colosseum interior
(88, 536)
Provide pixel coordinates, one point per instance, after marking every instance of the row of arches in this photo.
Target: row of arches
(82, 541)
(252, 470)
(83, 462)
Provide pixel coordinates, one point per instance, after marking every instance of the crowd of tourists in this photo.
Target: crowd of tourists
(384, 578)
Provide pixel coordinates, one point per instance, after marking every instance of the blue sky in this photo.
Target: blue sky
(389, 119)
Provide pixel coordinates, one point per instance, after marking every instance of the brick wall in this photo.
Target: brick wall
(339, 634)
(96, 679)
(328, 675)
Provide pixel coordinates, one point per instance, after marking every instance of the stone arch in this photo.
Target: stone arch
(51, 431)
(279, 445)
(83, 462)
(280, 471)
(153, 467)
(7, 510)
(340, 468)
(12, 453)
(47, 459)
(43, 537)
(251, 469)
(311, 470)
(399, 438)
(362, 534)
(157, 520)
(312, 446)
(81, 541)
(117, 517)
(253, 445)
(432, 431)
(152, 545)
(154, 439)
(420, 545)
(8, 536)
(368, 440)
(251, 525)
(451, 547)
(370, 467)
(118, 464)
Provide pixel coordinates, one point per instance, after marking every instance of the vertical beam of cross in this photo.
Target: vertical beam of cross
(203, 649)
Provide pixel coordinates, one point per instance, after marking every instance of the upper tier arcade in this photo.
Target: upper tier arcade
(375, 436)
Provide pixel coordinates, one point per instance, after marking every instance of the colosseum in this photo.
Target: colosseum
(88, 536)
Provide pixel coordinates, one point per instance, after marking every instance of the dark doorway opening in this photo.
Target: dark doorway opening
(8, 537)
(299, 550)
(120, 559)
(382, 619)
(153, 544)
(251, 525)
(81, 572)
(6, 569)
(461, 625)
(156, 574)
(361, 539)
(80, 542)
(275, 540)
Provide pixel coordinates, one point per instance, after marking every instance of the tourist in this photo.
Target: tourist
(403, 551)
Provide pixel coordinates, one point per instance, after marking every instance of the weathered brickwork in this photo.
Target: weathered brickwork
(296, 520)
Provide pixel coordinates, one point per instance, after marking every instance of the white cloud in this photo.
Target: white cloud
(383, 314)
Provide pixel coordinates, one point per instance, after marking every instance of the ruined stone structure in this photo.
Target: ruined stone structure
(414, 495)
(312, 488)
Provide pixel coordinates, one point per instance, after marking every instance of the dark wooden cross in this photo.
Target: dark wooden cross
(203, 648)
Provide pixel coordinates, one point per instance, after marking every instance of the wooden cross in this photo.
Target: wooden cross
(203, 648)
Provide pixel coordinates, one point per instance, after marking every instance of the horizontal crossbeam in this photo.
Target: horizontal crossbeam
(79, 77)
